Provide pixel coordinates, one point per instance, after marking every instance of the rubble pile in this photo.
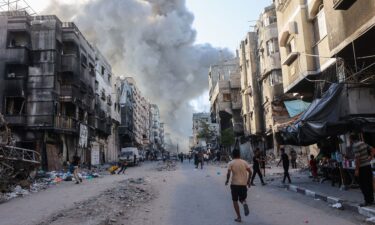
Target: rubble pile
(113, 206)
(166, 166)
(42, 181)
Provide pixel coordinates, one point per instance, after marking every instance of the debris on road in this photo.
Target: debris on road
(166, 166)
(110, 208)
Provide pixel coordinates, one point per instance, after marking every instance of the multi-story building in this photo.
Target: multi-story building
(47, 87)
(141, 115)
(225, 95)
(323, 48)
(250, 88)
(107, 111)
(155, 140)
(126, 128)
(200, 122)
(270, 77)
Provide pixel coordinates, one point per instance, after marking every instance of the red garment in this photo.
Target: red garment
(314, 168)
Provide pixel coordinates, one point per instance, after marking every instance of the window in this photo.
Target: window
(275, 78)
(291, 46)
(272, 46)
(226, 97)
(14, 71)
(102, 70)
(15, 105)
(269, 20)
(96, 85)
(320, 25)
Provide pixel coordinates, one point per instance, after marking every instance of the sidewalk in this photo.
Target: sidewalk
(302, 184)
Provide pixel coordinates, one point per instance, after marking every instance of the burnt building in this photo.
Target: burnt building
(47, 91)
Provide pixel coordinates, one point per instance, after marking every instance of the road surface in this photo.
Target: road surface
(186, 196)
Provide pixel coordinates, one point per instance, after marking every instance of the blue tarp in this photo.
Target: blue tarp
(295, 107)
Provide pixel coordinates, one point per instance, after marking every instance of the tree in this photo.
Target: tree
(206, 132)
(227, 137)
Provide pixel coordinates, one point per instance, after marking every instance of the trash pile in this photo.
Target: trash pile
(166, 166)
(113, 206)
(42, 181)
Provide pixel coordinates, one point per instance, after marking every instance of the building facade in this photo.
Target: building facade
(47, 88)
(225, 95)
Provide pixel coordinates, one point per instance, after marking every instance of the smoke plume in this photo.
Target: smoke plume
(153, 41)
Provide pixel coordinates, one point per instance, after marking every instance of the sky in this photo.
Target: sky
(222, 23)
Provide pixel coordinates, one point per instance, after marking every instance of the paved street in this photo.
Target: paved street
(183, 197)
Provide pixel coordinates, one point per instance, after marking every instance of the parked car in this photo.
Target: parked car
(130, 155)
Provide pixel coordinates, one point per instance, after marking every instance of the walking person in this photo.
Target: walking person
(293, 158)
(124, 166)
(256, 168)
(200, 159)
(363, 171)
(75, 168)
(285, 159)
(241, 175)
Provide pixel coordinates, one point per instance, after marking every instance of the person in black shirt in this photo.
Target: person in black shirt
(256, 167)
(285, 160)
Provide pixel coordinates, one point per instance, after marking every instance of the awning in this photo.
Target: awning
(320, 120)
(296, 107)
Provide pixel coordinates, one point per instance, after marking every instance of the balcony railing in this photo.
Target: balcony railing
(65, 123)
(16, 120)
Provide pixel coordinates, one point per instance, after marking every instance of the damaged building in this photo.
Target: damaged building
(49, 88)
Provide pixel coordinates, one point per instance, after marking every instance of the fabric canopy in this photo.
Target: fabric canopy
(320, 120)
(295, 107)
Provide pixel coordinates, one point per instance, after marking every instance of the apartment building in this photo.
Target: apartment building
(47, 88)
(126, 128)
(155, 139)
(327, 54)
(200, 120)
(141, 115)
(250, 88)
(225, 95)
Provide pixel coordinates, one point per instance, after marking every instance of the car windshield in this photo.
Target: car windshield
(126, 154)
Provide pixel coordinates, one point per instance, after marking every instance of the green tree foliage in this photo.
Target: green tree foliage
(206, 132)
(227, 137)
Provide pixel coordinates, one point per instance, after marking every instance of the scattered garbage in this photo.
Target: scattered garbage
(166, 166)
(337, 206)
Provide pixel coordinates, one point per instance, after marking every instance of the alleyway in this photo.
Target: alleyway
(182, 197)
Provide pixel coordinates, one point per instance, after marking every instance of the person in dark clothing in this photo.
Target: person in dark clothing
(256, 168)
(285, 159)
(124, 166)
(363, 170)
(196, 160)
(293, 158)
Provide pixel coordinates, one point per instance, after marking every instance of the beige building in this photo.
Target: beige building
(141, 115)
(303, 44)
(324, 42)
(251, 95)
(270, 76)
(225, 95)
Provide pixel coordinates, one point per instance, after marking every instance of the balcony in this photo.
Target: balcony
(69, 63)
(65, 123)
(290, 58)
(16, 120)
(16, 55)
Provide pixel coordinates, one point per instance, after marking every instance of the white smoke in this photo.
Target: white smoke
(153, 41)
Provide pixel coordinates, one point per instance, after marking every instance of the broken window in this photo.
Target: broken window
(16, 71)
(18, 39)
(15, 106)
(226, 97)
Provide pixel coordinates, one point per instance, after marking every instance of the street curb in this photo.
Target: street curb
(367, 212)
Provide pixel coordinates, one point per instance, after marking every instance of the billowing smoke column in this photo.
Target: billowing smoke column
(153, 41)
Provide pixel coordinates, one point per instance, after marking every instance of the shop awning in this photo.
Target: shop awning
(320, 120)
